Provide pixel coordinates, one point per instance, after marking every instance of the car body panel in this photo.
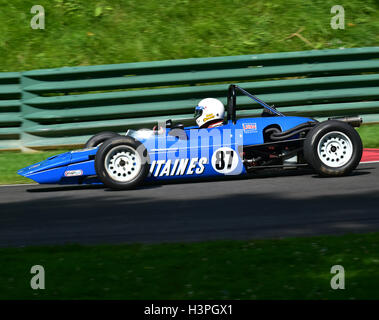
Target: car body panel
(187, 154)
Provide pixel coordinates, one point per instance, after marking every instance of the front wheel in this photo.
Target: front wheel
(122, 163)
(333, 148)
(99, 138)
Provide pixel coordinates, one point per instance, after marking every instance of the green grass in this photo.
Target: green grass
(80, 32)
(10, 162)
(256, 269)
(370, 135)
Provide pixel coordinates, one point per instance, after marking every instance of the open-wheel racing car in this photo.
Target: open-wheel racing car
(237, 147)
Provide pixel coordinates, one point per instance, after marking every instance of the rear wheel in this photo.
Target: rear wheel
(99, 138)
(121, 163)
(333, 148)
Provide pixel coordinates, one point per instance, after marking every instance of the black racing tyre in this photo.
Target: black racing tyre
(333, 148)
(99, 138)
(122, 163)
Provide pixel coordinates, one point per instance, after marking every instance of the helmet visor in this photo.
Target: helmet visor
(198, 112)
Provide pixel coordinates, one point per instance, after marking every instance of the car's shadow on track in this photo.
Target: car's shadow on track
(65, 188)
(355, 173)
(273, 173)
(269, 173)
(82, 187)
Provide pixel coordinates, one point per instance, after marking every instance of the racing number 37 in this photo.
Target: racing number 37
(224, 158)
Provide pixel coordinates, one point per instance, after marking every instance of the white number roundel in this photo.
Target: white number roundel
(225, 160)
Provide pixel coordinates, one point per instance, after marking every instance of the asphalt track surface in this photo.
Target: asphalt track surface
(269, 205)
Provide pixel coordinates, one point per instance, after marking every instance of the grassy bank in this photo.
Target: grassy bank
(369, 135)
(261, 269)
(79, 32)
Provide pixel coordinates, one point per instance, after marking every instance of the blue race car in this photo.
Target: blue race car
(237, 147)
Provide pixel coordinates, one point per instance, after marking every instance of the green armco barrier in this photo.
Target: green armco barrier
(65, 106)
(10, 110)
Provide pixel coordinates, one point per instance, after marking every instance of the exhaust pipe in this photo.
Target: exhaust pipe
(353, 121)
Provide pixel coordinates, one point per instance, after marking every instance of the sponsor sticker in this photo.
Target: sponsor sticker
(249, 127)
(73, 173)
(209, 117)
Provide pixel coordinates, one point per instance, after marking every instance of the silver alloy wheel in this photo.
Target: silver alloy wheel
(335, 149)
(123, 163)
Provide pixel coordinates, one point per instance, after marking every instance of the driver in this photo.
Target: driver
(209, 113)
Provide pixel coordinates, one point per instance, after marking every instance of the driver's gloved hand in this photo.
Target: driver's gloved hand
(158, 130)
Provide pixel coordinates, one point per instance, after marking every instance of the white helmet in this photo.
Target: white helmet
(209, 109)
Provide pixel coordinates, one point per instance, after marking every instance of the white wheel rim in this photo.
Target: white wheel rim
(123, 163)
(335, 149)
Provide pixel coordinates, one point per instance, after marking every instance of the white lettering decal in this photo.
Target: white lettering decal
(166, 169)
(159, 165)
(201, 167)
(174, 167)
(182, 167)
(192, 166)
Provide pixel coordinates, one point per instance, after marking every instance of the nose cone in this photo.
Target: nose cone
(48, 171)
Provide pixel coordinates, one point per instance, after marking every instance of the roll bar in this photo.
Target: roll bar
(232, 97)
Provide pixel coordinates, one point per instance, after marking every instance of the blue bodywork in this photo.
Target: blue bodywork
(171, 157)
